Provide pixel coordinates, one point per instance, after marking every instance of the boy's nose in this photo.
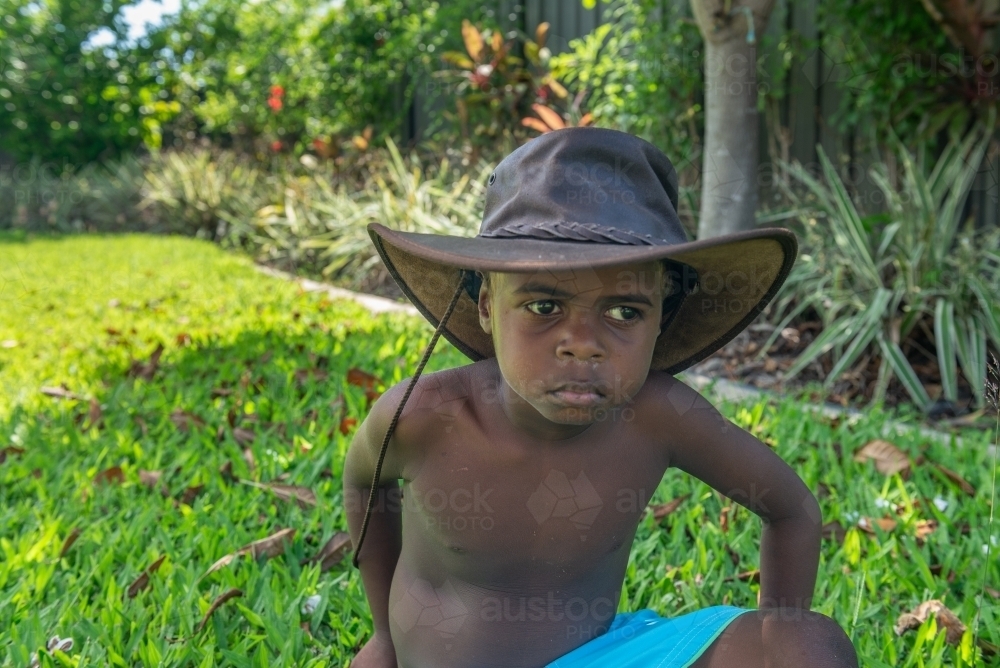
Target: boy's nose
(579, 339)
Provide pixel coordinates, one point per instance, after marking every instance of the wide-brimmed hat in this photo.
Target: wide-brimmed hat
(580, 199)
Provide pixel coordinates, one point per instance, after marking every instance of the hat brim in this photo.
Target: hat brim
(739, 274)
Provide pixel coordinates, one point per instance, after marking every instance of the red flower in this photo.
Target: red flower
(276, 145)
(277, 92)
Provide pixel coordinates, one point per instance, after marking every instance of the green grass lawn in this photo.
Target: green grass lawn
(251, 385)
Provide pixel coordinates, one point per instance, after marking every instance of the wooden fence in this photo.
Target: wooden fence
(797, 125)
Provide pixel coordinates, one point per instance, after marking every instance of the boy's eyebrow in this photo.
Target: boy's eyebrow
(529, 288)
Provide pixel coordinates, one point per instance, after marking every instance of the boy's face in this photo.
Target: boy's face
(592, 328)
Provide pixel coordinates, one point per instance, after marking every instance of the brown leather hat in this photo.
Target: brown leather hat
(585, 198)
(579, 199)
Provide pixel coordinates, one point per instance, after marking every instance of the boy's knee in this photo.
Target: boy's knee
(811, 634)
(835, 642)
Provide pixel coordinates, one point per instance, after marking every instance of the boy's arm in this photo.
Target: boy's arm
(711, 448)
(383, 540)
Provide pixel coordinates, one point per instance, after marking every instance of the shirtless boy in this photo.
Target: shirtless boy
(506, 542)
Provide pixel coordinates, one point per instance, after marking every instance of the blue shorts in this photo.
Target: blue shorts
(643, 639)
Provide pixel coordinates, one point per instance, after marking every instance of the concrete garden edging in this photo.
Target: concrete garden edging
(716, 388)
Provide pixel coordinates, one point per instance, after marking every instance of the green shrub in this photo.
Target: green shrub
(636, 73)
(201, 194)
(311, 219)
(39, 197)
(873, 279)
(63, 100)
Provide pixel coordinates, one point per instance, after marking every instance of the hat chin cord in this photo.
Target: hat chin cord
(399, 411)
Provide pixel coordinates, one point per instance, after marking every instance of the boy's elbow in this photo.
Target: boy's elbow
(804, 511)
(810, 516)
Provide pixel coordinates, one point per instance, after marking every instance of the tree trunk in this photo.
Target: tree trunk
(729, 171)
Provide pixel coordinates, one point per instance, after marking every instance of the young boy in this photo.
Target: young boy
(525, 474)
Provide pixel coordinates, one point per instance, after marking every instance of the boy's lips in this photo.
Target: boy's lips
(578, 394)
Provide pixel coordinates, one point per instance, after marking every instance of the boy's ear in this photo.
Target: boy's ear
(484, 305)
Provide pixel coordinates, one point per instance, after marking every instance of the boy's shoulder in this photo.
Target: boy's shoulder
(667, 408)
(665, 391)
(434, 395)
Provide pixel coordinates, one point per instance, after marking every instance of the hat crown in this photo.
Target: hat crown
(585, 184)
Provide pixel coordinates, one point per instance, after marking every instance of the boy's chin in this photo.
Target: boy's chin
(572, 415)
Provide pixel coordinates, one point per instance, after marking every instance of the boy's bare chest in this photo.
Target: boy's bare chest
(481, 497)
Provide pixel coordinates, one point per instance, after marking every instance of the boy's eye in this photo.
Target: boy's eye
(627, 311)
(546, 303)
(546, 307)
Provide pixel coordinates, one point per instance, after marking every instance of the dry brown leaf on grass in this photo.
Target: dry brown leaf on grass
(332, 552)
(925, 528)
(363, 379)
(886, 524)
(94, 414)
(226, 471)
(661, 510)
(834, 531)
(243, 436)
(191, 493)
(146, 370)
(68, 543)
(54, 644)
(724, 518)
(945, 619)
(184, 419)
(303, 375)
(10, 451)
(888, 458)
(304, 496)
(271, 546)
(142, 581)
(957, 479)
(750, 576)
(248, 458)
(347, 424)
(110, 475)
(150, 478)
(62, 393)
(216, 604)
